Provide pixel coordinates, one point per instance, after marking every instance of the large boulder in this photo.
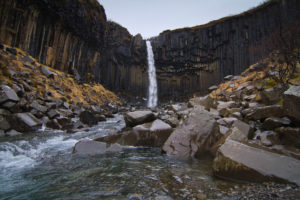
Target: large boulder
(194, 137)
(264, 112)
(291, 102)
(153, 134)
(138, 117)
(88, 118)
(238, 161)
(205, 101)
(24, 122)
(90, 147)
(7, 94)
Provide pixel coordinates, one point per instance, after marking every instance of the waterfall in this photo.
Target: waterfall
(152, 90)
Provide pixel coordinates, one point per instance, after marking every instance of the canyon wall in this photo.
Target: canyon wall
(189, 60)
(75, 36)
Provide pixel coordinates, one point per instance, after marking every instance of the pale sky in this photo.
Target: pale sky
(151, 17)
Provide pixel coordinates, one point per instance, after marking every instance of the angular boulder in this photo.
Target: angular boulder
(291, 102)
(90, 147)
(194, 137)
(153, 134)
(237, 161)
(138, 117)
(7, 94)
(264, 112)
(24, 122)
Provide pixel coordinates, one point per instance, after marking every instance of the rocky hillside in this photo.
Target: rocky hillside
(74, 36)
(189, 60)
(33, 94)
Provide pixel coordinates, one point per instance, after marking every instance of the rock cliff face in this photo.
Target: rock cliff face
(74, 36)
(189, 60)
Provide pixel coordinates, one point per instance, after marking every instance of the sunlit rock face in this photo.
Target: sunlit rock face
(190, 60)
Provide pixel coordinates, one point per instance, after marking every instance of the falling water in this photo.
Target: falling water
(152, 90)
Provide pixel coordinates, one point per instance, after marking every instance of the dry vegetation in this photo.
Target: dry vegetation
(69, 88)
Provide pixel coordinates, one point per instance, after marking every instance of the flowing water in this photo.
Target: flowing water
(42, 166)
(152, 90)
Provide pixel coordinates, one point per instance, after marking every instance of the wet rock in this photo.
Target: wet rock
(258, 165)
(13, 133)
(24, 122)
(289, 136)
(4, 125)
(48, 73)
(2, 134)
(153, 134)
(90, 148)
(291, 102)
(100, 118)
(194, 137)
(88, 118)
(264, 112)
(53, 124)
(138, 117)
(274, 122)
(7, 94)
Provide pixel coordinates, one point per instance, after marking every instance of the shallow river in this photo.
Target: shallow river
(42, 166)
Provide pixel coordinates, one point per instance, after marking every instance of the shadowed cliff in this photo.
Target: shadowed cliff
(189, 60)
(74, 36)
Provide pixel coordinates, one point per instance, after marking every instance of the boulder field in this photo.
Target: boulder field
(250, 135)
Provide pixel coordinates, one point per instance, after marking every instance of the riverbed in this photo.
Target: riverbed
(41, 165)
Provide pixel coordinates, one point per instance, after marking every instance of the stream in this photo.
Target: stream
(41, 166)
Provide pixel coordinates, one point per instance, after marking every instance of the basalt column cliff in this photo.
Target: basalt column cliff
(75, 36)
(189, 60)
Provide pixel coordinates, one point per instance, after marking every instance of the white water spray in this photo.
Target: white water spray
(152, 90)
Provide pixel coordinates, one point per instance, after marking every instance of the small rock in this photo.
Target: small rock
(53, 113)
(274, 122)
(228, 77)
(13, 133)
(138, 117)
(47, 72)
(212, 88)
(90, 147)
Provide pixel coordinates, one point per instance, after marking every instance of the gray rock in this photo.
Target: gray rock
(228, 77)
(48, 73)
(274, 122)
(227, 121)
(24, 122)
(212, 88)
(53, 113)
(271, 95)
(38, 107)
(289, 136)
(291, 102)
(2, 134)
(53, 124)
(223, 129)
(235, 160)
(28, 59)
(264, 112)
(13, 133)
(7, 94)
(88, 118)
(153, 134)
(138, 117)
(194, 137)
(4, 125)
(90, 148)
